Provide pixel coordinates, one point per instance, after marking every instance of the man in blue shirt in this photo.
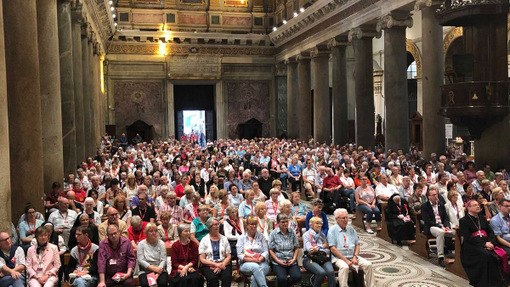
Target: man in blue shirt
(500, 225)
(344, 245)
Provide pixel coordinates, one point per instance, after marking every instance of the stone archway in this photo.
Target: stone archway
(451, 35)
(413, 49)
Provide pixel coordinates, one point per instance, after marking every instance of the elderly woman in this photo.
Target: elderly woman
(119, 203)
(484, 262)
(283, 248)
(43, 261)
(252, 251)
(136, 231)
(167, 231)
(400, 224)
(294, 173)
(454, 211)
(220, 209)
(233, 228)
(188, 196)
(89, 210)
(366, 200)
(28, 226)
(151, 257)
(285, 208)
(184, 254)
(247, 207)
(264, 224)
(316, 211)
(272, 204)
(212, 197)
(83, 219)
(215, 256)
(315, 242)
(497, 195)
(198, 227)
(191, 210)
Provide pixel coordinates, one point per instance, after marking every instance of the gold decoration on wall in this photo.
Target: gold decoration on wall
(184, 50)
(413, 49)
(236, 3)
(475, 97)
(451, 95)
(454, 33)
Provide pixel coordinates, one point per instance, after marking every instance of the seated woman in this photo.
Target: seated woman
(136, 231)
(285, 207)
(366, 200)
(151, 257)
(417, 199)
(167, 231)
(28, 226)
(191, 209)
(233, 228)
(283, 248)
(198, 228)
(119, 203)
(215, 256)
(98, 204)
(252, 252)
(264, 224)
(315, 241)
(484, 263)
(400, 224)
(316, 211)
(89, 209)
(272, 204)
(454, 211)
(497, 195)
(184, 254)
(43, 261)
(221, 207)
(83, 220)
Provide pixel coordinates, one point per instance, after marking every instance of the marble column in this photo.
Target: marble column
(5, 180)
(305, 115)
(364, 86)
(338, 48)
(321, 103)
(51, 110)
(67, 85)
(87, 91)
(395, 79)
(281, 97)
(24, 105)
(292, 99)
(77, 20)
(432, 78)
(97, 91)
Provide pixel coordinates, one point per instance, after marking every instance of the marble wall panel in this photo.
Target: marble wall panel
(139, 100)
(147, 18)
(192, 19)
(236, 21)
(247, 100)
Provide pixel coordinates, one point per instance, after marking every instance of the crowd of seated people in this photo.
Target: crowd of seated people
(240, 201)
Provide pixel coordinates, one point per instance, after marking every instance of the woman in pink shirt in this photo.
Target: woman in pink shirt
(43, 261)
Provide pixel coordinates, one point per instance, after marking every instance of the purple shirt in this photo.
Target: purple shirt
(111, 261)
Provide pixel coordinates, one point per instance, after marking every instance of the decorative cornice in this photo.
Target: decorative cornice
(99, 14)
(291, 60)
(427, 4)
(395, 20)
(304, 56)
(174, 49)
(338, 41)
(358, 33)
(320, 51)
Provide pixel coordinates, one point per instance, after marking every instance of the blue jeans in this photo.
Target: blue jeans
(283, 179)
(287, 275)
(80, 282)
(320, 271)
(7, 281)
(350, 193)
(258, 272)
(370, 212)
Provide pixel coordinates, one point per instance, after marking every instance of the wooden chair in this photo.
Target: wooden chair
(383, 233)
(421, 246)
(456, 265)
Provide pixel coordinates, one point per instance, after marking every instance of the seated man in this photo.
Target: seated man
(344, 245)
(436, 222)
(12, 263)
(143, 210)
(384, 190)
(113, 218)
(331, 190)
(141, 189)
(63, 219)
(116, 260)
(136, 231)
(83, 260)
(501, 226)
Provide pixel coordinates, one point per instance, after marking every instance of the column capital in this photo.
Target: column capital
(77, 12)
(320, 51)
(290, 60)
(358, 33)
(64, 1)
(338, 41)
(303, 56)
(419, 4)
(395, 19)
(86, 29)
(96, 48)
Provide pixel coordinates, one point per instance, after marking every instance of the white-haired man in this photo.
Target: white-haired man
(345, 248)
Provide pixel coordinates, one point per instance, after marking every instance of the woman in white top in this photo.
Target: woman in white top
(264, 224)
(131, 188)
(272, 204)
(455, 212)
(220, 210)
(215, 256)
(233, 228)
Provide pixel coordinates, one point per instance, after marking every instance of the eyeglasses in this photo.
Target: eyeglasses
(114, 214)
(5, 239)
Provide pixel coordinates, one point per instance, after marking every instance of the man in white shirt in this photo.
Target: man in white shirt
(384, 190)
(405, 190)
(308, 176)
(63, 219)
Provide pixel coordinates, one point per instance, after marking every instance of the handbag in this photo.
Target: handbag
(319, 257)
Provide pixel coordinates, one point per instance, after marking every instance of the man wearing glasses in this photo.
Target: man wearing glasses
(500, 225)
(12, 263)
(116, 260)
(344, 246)
(113, 218)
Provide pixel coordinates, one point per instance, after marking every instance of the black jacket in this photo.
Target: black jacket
(427, 214)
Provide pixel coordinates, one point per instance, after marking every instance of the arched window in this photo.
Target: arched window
(411, 71)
